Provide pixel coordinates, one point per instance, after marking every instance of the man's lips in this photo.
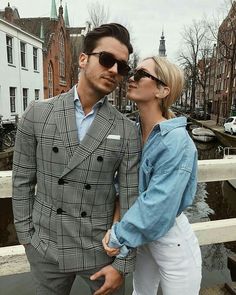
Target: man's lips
(109, 79)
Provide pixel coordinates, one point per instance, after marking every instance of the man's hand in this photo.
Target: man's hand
(110, 251)
(113, 280)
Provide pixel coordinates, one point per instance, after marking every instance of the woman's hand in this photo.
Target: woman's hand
(110, 251)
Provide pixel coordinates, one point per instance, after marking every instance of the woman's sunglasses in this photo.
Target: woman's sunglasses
(139, 74)
(107, 60)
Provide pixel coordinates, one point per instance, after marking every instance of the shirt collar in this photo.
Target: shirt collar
(76, 99)
(168, 125)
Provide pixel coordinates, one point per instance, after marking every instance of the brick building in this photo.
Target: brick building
(224, 102)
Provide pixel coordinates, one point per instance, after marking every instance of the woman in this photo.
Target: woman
(168, 252)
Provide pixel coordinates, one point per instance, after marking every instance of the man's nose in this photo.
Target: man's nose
(114, 68)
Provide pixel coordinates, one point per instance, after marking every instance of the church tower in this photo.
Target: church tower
(162, 46)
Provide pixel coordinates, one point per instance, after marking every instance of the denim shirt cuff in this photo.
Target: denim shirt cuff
(114, 243)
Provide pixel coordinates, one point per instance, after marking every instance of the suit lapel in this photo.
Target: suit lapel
(98, 131)
(64, 112)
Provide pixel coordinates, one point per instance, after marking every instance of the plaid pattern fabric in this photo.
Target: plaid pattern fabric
(73, 207)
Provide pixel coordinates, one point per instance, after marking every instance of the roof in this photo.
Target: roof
(33, 25)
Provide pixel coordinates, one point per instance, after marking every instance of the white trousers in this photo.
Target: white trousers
(174, 262)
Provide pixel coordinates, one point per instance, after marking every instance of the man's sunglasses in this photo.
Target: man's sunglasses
(139, 74)
(107, 60)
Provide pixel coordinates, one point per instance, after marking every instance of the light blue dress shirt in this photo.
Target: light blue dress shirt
(167, 185)
(83, 122)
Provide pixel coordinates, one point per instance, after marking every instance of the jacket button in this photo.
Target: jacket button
(60, 211)
(87, 186)
(100, 158)
(61, 181)
(83, 214)
(55, 149)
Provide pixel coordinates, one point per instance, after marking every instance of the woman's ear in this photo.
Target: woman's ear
(83, 59)
(163, 92)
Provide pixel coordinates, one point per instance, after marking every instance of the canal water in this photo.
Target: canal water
(214, 200)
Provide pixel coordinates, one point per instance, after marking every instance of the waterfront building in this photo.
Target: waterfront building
(224, 102)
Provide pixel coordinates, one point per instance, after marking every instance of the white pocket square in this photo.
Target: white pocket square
(112, 136)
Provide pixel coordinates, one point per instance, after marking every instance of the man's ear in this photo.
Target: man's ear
(162, 92)
(83, 59)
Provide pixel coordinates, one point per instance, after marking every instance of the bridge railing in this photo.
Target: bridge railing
(13, 260)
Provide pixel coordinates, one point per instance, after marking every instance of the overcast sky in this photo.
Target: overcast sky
(144, 18)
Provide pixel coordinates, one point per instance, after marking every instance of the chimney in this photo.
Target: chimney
(8, 14)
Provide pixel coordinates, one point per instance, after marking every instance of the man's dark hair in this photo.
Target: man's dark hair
(114, 30)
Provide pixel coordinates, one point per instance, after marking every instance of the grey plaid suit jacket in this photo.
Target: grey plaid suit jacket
(67, 216)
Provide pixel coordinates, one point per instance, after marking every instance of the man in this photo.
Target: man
(71, 146)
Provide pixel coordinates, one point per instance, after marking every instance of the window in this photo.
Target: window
(9, 41)
(61, 55)
(23, 54)
(50, 80)
(35, 58)
(12, 99)
(36, 94)
(25, 98)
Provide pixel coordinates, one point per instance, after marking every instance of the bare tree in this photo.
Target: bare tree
(204, 69)
(187, 88)
(193, 37)
(98, 14)
(134, 59)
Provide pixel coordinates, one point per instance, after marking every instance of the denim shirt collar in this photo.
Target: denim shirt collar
(168, 125)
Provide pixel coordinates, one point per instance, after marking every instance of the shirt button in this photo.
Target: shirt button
(61, 181)
(87, 186)
(83, 214)
(55, 149)
(60, 211)
(100, 158)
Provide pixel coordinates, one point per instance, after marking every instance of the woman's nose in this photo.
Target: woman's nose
(131, 79)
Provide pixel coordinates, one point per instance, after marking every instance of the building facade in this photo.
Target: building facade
(224, 102)
(21, 79)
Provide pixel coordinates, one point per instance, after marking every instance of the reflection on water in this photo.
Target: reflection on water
(200, 210)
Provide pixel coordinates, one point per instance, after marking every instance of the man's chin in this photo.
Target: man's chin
(106, 90)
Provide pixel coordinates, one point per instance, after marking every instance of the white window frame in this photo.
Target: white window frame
(35, 58)
(23, 55)
(9, 47)
(25, 98)
(12, 99)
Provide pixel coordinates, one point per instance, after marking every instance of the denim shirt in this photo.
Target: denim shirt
(167, 185)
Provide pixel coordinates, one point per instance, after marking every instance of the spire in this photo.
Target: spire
(53, 10)
(66, 18)
(60, 10)
(162, 46)
(41, 31)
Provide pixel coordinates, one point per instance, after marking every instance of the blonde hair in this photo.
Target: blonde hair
(173, 77)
